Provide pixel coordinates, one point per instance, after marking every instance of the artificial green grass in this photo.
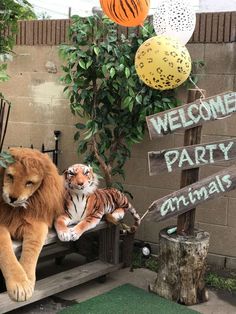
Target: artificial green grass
(128, 299)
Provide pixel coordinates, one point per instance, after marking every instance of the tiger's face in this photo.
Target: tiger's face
(19, 184)
(81, 179)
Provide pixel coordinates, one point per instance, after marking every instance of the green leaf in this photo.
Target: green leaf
(82, 64)
(77, 136)
(139, 99)
(126, 102)
(127, 72)
(80, 126)
(96, 50)
(89, 63)
(112, 72)
(104, 69)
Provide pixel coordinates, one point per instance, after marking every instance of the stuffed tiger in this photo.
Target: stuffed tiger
(86, 204)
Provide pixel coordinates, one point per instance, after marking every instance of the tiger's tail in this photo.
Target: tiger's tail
(137, 221)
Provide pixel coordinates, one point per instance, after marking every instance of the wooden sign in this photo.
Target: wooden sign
(189, 157)
(192, 114)
(192, 195)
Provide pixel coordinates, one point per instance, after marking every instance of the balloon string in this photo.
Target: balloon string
(199, 89)
(144, 28)
(203, 96)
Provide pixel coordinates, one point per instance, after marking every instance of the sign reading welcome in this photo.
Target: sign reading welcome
(185, 117)
(191, 115)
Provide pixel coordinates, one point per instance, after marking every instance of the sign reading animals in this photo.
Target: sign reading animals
(191, 115)
(185, 117)
(192, 195)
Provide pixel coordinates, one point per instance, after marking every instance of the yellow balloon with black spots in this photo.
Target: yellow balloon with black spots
(163, 62)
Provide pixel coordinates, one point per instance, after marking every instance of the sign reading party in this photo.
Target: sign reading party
(189, 157)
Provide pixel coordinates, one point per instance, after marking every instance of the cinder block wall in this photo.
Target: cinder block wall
(40, 107)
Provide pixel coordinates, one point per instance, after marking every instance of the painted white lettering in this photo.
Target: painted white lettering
(184, 157)
(193, 108)
(180, 199)
(217, 106)
(199, 154)
(191, 196)
(170, 158)
(204, 106)
(159, 124)
(213, 188)
(201, 193)
(225, 149)
(183, 118)
(172, 119)
(211, 148)
(226, 179)
(166, 206)
(220, 183)
(230, 99)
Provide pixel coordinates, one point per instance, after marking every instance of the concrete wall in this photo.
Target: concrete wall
(40, 107)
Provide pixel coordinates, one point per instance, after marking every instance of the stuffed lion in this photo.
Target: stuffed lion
(31, 198)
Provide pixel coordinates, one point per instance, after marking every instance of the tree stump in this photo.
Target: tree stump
(183, 264)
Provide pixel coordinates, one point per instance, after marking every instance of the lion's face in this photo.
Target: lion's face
(19, 183)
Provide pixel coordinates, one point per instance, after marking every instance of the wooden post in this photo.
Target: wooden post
(185, 222)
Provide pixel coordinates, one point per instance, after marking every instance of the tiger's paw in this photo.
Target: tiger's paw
(64, 236)
(20, 290)
(74, 234)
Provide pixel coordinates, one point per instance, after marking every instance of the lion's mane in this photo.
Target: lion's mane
(47, 201)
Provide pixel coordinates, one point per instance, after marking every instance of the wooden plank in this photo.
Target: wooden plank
(202, 35)
(227, 27)
(35, 39)
(220, 38)
(215, 20)
(208, 27)
(192, 114)
(40, 32)
(192, 195)
(53, 32)
(196, 33)
(29, 35)
(52, 237)
(44, 38)
(58, 32)
(60, 282)
(233, 27)
(192, 156)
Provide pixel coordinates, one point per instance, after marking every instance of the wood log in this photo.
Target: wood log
(183, 263)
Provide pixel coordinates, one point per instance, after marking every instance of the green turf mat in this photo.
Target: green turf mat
(128, 299)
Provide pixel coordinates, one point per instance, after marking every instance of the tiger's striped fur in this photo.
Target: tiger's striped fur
(86, 204)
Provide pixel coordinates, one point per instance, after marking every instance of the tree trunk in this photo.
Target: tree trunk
(182, 269)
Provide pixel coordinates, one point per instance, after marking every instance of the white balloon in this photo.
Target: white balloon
(175, 18)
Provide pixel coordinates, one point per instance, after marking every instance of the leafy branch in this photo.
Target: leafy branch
(106, 94)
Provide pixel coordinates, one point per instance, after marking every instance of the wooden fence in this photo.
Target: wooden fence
(219, 27)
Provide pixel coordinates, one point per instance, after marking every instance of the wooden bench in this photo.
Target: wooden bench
(108, 261)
